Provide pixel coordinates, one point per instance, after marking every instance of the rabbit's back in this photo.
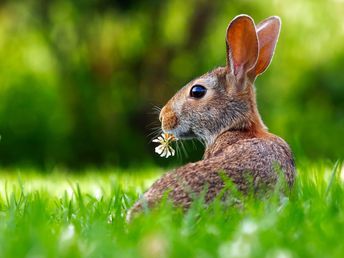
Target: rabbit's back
(252, 162)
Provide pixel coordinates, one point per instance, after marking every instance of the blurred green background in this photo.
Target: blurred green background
(79, 79)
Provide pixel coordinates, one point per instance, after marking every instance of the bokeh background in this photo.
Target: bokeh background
(79, 79)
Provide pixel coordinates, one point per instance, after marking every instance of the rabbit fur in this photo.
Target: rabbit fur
(227, 120)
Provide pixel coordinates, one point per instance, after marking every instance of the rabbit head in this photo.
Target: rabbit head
(224, 99)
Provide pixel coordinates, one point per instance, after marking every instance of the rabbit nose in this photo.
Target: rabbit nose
(168, 118)
(160, 114)
(163, 112)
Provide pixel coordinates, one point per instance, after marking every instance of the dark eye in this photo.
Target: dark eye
(197, 91)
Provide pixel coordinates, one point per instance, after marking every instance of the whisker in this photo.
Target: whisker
(194, 146)
(178, 153)
(156, 110)
(181, 150)
(184, 149)
(155, 134)
(156, 127)
(153, 125)
(203, 143)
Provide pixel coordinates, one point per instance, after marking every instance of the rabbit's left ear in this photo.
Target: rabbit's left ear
(242, 48)
(268, 31)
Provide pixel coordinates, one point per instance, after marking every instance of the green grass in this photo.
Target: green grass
(83, 215)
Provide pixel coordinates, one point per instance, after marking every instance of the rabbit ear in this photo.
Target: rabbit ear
(268, 31)
(242, 47)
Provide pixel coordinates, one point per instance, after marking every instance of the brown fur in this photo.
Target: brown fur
(168, 118)
(227, 120)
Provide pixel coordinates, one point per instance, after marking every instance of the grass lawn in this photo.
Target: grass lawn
(83, 215)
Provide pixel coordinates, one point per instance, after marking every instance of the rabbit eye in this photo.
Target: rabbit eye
(198, 91)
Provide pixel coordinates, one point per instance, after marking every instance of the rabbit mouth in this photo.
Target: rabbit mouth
(179, 133)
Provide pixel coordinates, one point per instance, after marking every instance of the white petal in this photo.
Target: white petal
(172, 151)
(168, 154)
(159, 149)
(155, 140)
(164, 153)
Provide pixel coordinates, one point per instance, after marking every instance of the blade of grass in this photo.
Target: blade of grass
(333, 175)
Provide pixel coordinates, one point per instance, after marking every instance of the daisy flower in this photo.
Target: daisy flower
(165, 149)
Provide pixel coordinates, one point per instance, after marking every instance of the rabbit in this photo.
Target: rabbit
(220, 109)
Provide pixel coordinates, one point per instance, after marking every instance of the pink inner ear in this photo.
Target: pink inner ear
(268, 32)
(236, 69)
(239, 72)
(242, 46)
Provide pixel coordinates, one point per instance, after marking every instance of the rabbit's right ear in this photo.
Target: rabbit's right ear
(242, 48)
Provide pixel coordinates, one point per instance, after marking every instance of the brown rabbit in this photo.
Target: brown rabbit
(220, 108)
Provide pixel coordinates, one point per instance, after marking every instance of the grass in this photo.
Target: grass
(83, 215)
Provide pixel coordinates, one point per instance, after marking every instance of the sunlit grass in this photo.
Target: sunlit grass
(94, 182)
(83, 215)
